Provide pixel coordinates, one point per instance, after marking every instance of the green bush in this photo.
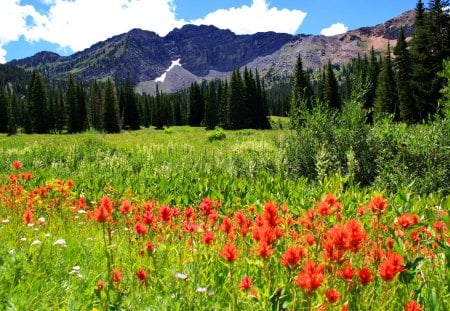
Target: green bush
(217, 134)
(386, 155)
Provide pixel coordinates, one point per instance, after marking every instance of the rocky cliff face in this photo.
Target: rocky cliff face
(206, 52)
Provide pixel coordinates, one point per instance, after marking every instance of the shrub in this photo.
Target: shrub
(217, 134)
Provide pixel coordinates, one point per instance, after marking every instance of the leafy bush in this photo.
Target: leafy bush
(387, 155)
(217, 134)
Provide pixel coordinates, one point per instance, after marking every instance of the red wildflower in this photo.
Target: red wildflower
(348, 272)
(406, 220)
(246, 283)
(270, 214)
(242, 222)
(149, 218)
(165, 213)
(413, 306)
(28, 216)
(324, 209)
(357, 234)
(100, 285)
(12, 179)
(440, 226)
(205, 206)
(190, 227)
(126, 207)
(141, 275)
(292, 256)
(365, 276)
(150, 247)
(264, 250)
(190, 213)
(378, 204)
(140, 228)
(17, 165)
(106, 203)
(117, 275)
(392, 265)
(227, 225)
(312, 277)
(102, 215)
(332, 295)
(70, 183)
(208, 237)
(229, 252)
(337, 240)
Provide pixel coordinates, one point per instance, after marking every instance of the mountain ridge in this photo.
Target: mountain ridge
(207, 52)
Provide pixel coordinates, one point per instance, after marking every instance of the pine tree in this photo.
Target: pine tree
(157, 119)
(38, 103)
(3, 111)
(96, 107)
(386, 101)
(422, 63)
(402, 64)
(28, 120)
(82, 123)
(261, 110)
(196, 105)
(72, 106)
(60, 113)
(211, 107)
(237, 110)
(302, 96)
(330, 88)
(111, 122)
(131, 118)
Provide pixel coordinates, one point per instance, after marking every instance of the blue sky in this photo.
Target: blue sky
(67, 26)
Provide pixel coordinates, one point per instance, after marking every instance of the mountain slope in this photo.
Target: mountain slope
(206, 52)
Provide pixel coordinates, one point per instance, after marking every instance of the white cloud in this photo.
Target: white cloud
(80, 23)
(77, 24)
(255, 18)
(335, 29)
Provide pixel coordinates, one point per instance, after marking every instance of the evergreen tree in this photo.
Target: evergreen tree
(386, 101)
(81, 108)
(72, 106)
(60, 119)
(211, 107)
(302, 96)
(3, 111)
(38, 103)
(131, 117)
(261, 111)
(196, 105)
(111, 122)
(422, 63)
(237, 111)
(157, 119)
(330, 88)
(11, 116)
(402, 64)
(28, 120)
(96, 107)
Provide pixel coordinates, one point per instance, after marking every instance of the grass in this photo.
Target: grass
(120, 222)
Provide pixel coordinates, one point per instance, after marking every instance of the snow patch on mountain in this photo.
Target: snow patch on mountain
(163, 76)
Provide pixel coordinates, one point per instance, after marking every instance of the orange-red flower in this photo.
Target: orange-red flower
(28, 216)
(413, 306)
(406, 220)
(365, 276)
(117, 275)
(348, 272)
(389, 267)
(292, 256)
(140, 228)
(126, 207)
(165, 213)
(378, 204)
(17, 165)
(208, 237)
(141, 275)
(246, 283)
(264, 249)
(311, 277)
(332, 295)
(229, 252)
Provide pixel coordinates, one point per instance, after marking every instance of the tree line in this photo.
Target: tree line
(404, 82)
(74, 106)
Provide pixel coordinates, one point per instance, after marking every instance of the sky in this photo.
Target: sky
(68, 26)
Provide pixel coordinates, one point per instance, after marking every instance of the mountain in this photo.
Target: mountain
(207, 52)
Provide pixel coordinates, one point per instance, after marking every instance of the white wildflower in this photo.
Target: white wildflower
(5, 221)
(36, 242)
(181, 276)
(60, 242)
(201, 290)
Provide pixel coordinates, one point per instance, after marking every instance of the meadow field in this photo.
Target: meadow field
(176, 219)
